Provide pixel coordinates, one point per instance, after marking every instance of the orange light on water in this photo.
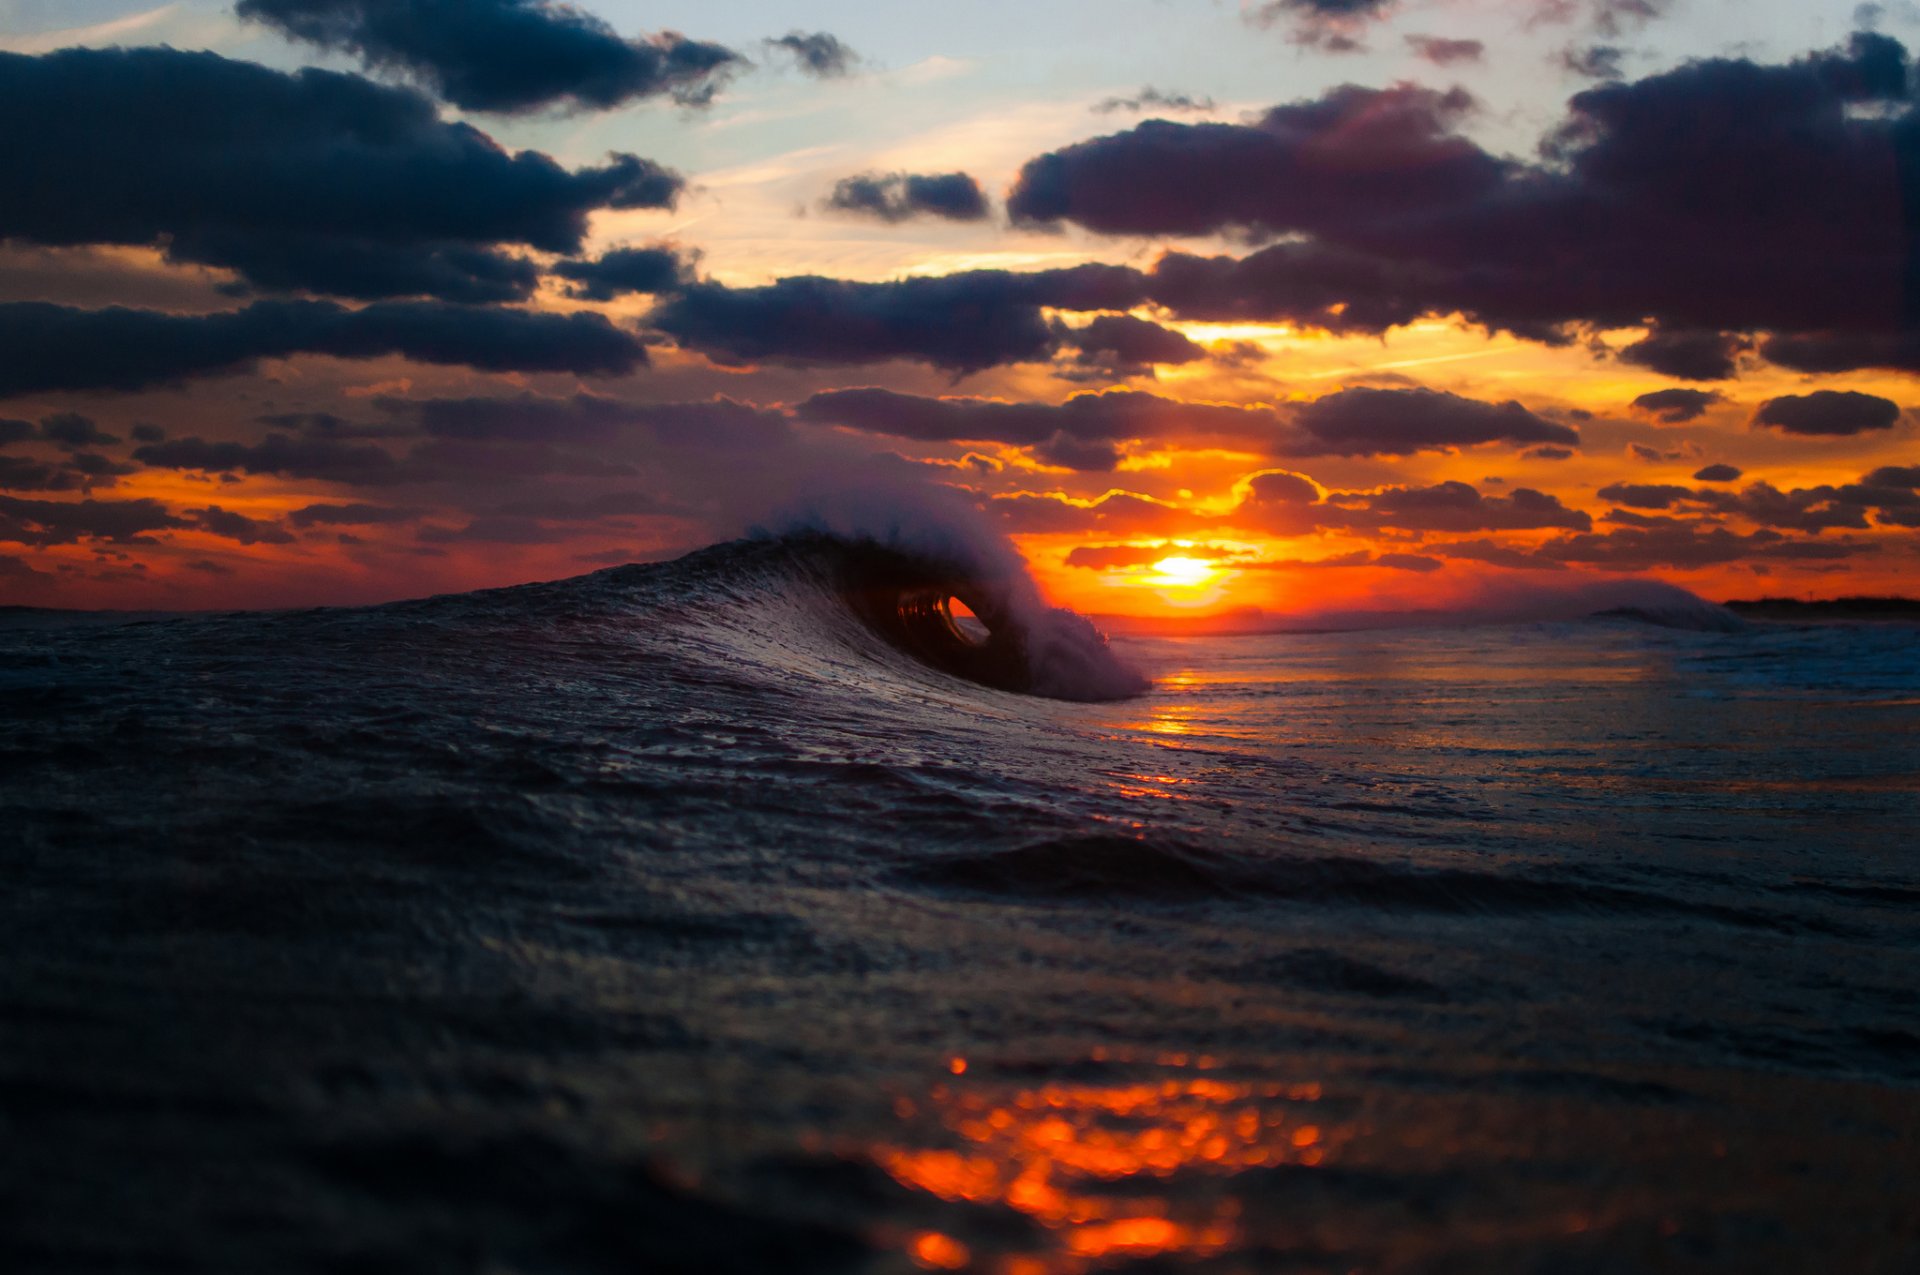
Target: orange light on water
(937, 1252)
(1096, 1165)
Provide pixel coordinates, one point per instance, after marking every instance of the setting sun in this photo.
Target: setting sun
(1183, 572)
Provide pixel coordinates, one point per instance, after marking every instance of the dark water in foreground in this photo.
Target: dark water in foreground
(668, 920)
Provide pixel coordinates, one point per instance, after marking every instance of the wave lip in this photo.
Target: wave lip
(1013, 641)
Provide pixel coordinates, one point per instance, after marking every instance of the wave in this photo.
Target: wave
(944, 604)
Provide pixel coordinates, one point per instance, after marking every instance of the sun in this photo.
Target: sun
(1186, 573)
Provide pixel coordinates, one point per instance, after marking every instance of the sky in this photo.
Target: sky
(1301, 306)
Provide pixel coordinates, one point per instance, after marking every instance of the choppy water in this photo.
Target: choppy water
(671, 920)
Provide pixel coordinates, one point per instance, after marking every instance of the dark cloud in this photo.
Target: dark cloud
(313, 181)
(1595, 61)
(1723, 196)
(1617, 17)
(1393, 422)
(654, 271)
(1676, 406)
(1808, 509)
(1688, 355)
(1828, 352)
(1496, 554)
(1355, 422)
(1281, 487)
(1646, 495)
(237, 527)
(961, 322)
(48, 522)
(147, 433)
(1309, 166)
(1717, 474)
(1654, 455)
(897, 197)
(719, 424)
(350, 515)
(327, 460)
(503, 55)
(1828, 413)
(21, 473)
(1548, 453)
(1907, 476)
(1450, 507)
(1117, 513)
(1442, 51)
(73, 431)
(1331, 25)
(53, 347)
(1116, 416)
(1109, 557)
(1123, 344)
(1152, 99)
(819, 54)
(1687, 546)
(1358, 558)
(17, 431)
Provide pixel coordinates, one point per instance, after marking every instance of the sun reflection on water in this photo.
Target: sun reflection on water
(1109, 1172)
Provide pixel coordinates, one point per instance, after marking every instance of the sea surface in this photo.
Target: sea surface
(685, 918)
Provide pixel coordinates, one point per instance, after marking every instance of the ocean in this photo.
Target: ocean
(748, 913)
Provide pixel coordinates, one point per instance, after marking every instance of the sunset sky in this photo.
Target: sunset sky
(1304, 305)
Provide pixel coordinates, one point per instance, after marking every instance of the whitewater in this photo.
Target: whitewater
(752, 912)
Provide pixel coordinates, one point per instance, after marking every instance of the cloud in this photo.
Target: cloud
(503, 55)
(1281, 487)
(1124, 345)
(1358, 558)
(1687, 546)
(1355, 422)
(1829, 352)
(1717, 474)
(1395, 422)
(1152, 99)
(1442, 51)
(1646, 495)
(54, 347)
(20, 473)
(1309, 166)
(1115, 513)
(351, 515)
(326, 460)
(312, 181)
(1595, 61)
(72, 431)
(48, 522)
(1113, 557)
(820, 55)
(237, 527)
(897, 197)
(1450, 507)
(1828, 413)
(963, 322)
(1676, 406)
(1809, 509)
(1334, 26)
(653, 271)
(1688, 355)
(719, 424)
(1725, 196)
(1495, 554)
